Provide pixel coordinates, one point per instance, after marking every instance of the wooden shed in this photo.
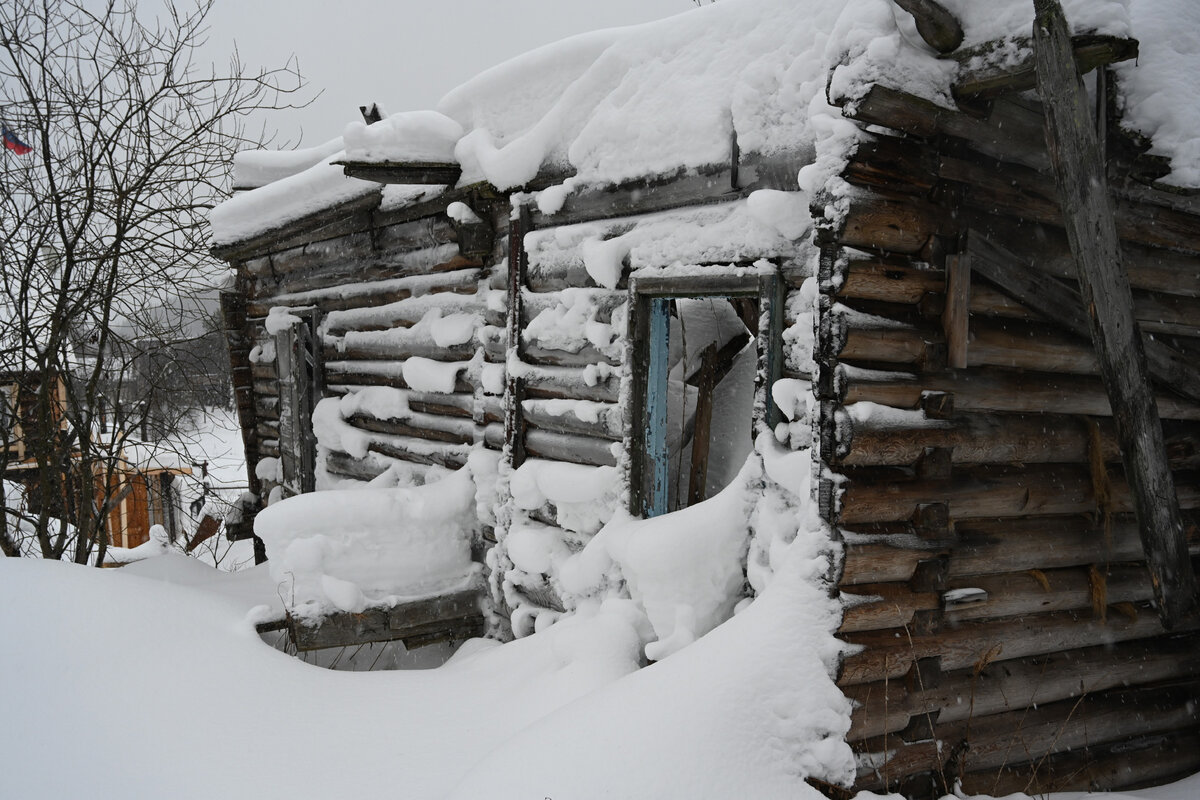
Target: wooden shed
(1018, 582)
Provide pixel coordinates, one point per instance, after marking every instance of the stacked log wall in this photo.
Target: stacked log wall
(994, 574)
(372, 282)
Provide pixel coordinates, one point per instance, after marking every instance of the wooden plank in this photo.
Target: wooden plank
(956, 317)
(1079, 172)
(937, 26)
(412, 173)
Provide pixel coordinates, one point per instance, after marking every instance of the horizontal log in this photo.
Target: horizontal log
(568, 383)
(370, 294)
(1010, 190)
(906, 346)
(1151, 760)
(991, 546)
(1002, 139)
(876, 606)
(380, 373)
(981, 77)
(585, 356)
(339, 271)
(980, 439)
(880, 563)
(994, 491)
(608, 424)
(1007, 595)
(342, 465)
(991, 742)
(1055, 300)
(1017, 684)
(1046, 247)
(571, 448)
(889, 654)
(999, 390)
(892, 162)
(894, 224)
(890, 282)
(383, 349)
(405, 619)
(327, 223)
(421, 426)
(709, 184)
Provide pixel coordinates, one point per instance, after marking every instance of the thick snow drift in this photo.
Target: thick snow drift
(347, 549)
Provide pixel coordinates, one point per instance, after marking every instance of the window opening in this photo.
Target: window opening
(702, 364)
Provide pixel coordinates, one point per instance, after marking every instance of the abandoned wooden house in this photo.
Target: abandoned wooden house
(888, 277)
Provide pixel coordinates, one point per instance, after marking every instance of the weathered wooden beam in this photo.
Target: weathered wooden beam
(991, 491)
(412, 173)
(957, 315)
(989, 546)
(1021, 683)
(889, 654)
(1063, 305)
(1001, 75)
(515, 385)
(937, 26)
(1149, 760)
(1064, 726)
(416, 617)
(343, 218)
(1087, 208)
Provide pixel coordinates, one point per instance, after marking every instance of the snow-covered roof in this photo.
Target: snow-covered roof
(669, 95)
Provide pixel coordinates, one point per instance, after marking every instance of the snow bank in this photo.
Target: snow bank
(420, 136)
(749, 710)
(348, 549)
(285, 200)
(256, 168)
(178, 638)
(1158, 90)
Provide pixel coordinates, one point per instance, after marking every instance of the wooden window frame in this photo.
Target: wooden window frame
(712, 281)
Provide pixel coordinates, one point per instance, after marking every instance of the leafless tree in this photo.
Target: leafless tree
(102, 242)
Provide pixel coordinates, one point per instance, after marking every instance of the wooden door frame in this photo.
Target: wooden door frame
(766, 286)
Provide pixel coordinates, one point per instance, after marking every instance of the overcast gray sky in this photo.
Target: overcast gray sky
(404, 54)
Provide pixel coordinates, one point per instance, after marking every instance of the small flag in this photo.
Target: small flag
(13, 143)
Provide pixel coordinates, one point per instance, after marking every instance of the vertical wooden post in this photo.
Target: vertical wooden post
(1088, 215)
(956, 319)
(518, 265)
(655, 435)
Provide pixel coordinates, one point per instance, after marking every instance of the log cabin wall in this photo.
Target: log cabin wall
(570, 392)
(373, 274)
(995, 578)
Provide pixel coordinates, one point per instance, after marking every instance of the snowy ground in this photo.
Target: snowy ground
(149, 681)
